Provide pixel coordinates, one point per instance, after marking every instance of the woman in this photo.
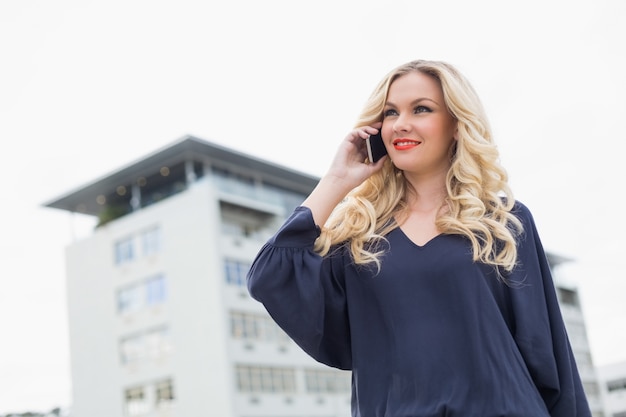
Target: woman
(420, 273)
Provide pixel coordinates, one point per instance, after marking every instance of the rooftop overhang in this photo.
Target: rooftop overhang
(87, 199)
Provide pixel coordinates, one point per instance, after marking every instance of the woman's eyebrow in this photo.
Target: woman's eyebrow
(414, 102)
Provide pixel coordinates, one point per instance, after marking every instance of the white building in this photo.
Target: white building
(572, 312)
(613, 382)
(160, 320)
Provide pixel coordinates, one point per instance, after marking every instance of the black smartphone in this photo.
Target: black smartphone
(375, 147)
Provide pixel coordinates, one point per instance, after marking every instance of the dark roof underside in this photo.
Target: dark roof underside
(188, 148)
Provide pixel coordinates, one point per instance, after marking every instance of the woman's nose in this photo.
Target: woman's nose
(401, 124)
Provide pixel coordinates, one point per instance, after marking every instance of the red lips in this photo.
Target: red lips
(405, 143)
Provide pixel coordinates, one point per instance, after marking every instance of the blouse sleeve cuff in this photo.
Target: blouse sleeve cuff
(299, 230)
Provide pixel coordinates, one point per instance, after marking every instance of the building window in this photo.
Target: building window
(164, 394)
(568, 297)
(247, 326)
(151, 241)
(131, 350)
(155, 290)
(242, 326)
(144, 400)
(136, 402)
(270, 331)
(129, 299)
(616, 385)
(236, 272)
(151, 292)
(124, 251)
(152, 344)
(322, 381)
(256, 379)
(158, 344)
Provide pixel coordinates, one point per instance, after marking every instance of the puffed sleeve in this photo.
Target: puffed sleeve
(539, 328)
(303, 292)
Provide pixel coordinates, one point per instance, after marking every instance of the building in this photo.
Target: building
(573, 317)
(613, 382)
(161, 323)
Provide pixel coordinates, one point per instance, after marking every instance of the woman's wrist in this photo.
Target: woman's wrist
(329, 192)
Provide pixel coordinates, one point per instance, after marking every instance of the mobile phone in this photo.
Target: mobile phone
(375, 147)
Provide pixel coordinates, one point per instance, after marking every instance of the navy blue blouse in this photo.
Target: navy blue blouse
(433, 333)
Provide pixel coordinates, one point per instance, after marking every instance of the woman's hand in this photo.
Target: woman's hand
(348, 170)
(350, 166)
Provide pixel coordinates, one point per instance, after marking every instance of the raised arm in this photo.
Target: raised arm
(347, 170)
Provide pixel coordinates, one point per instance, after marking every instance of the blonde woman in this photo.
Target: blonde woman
(420, 272)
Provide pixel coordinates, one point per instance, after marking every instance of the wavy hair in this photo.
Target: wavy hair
(478, 203)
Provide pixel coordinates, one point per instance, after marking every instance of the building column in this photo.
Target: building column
(135, 199)
(190, 174)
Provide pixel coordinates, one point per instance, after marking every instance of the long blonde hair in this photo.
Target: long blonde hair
(478, 202)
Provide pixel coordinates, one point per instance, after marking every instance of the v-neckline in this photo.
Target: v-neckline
(427, 243)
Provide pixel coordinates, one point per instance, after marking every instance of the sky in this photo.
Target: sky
(87, 87)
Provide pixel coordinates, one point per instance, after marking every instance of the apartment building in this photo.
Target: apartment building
(613, 382)
(573, 316)
(161, 323)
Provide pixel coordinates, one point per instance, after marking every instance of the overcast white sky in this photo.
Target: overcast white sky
(88, 86)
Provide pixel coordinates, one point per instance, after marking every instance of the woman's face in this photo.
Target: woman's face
(418, 130)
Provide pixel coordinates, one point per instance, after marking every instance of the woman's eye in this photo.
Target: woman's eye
(422, 109)
(389, 112)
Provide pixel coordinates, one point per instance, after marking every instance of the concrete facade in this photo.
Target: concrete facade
(573, 316)
(613, 387)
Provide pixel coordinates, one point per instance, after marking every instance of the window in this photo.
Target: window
(157, 343)
(265, 379)
(124, 251)
(322, 381)
(131, 350)
(568, 297)
(151, 292)
(246, 222)
(242, 326)
(145, 399)
(155, 290)
(129, 299)
(236, 272)
(152, 344)
(616, 385)
(151, 241)
(270, 331)
(246, 326)
(136, 402)
(164, 394)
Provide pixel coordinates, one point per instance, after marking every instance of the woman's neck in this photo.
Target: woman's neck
(426, 194)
